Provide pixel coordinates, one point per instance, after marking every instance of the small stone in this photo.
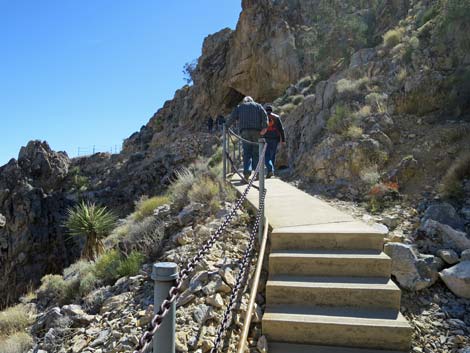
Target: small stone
(103, 336)
(185, 298)
(457, 279)
(465, 255)
(215, 300)
(202, 313)
(3, 221)
(262, 345)
(449, 256)
(226, 274)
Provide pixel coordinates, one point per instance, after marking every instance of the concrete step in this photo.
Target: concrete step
(344, 263)
(340, 326)
(276, 347)
(342, 235)
(370, 292)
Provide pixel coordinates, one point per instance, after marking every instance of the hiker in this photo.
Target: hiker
(252, 122)
(210, 124)
(219, 122)
(274, 134)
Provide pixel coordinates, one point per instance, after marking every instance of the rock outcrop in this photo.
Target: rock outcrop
(32, 239)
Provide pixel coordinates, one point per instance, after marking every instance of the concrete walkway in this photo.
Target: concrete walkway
(329, 286)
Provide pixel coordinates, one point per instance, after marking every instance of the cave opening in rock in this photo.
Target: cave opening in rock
(232, 98)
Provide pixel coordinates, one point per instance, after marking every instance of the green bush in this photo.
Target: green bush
(207, 192)
(339, 120)
(93, 222)
(130, 266)
(20, 342)
(15, 319)
(297, 99)
(55, 289)
(393, 37)
(106, 266)
(146, 206)
(112, 265)
(353, 132)
(179, 188)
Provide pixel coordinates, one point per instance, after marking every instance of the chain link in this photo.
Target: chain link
(174, 292)
(244, 267)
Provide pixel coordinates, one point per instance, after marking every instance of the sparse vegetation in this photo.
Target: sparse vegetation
(188, 71)
(353, 132)
(54, 289)
(351, 88)
(393, 37)
(19, 342)
(94, 223)
(287, 108)
(145, 206)
(452, 183)
(339, 122)
(419, 102)
(206, 191)
(112, 265)
(297, 99)
(15, 319)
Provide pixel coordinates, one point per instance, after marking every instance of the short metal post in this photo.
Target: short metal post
(224, 151)
(261, 186)
(164, 274)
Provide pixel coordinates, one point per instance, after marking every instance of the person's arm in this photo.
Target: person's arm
(232, 118)
(280, 128)
(264, 120)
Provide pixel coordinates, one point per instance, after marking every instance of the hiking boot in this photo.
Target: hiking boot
(269, 175)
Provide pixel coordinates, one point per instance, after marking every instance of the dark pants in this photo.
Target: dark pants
(270, 159)
(250, 152)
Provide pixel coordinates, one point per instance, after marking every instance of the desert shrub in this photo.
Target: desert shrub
(364, 112)
(15, 319)
(216, 158)
(17, 343)
(351, 88)
(376, 100)
(112, 265)
(414, 42)
(419, 102)
(370, 175)
(402, 75)
(206, 191)
(145, 236)
(93, 222)
(130, 266)
(452, 182)
(393, 37)
(179, 188)
(304, 82)
(353, 132)
(106, 266)
(287, 108)
(298, 99)
(54, 289)
(146, 206)
(339, 120)
(382, 194)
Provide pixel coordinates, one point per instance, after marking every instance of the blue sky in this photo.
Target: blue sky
(79, 73)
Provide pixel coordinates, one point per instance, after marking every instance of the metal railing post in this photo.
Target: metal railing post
(261, 186)
(164, 274)
(224, 151)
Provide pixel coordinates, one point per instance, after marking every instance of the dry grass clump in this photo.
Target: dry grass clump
(353, 132)
(364, 112)
(393, 37)
(145, 206)
(419, 102)
(206, 191)
(15, 319)
(179, 188)
(297, 99)
(351, 88)
(287, 108)
(19, 342)
(452, 182)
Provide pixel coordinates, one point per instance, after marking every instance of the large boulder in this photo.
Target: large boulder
(435, 236)
(444, 213)
(412, 270)
(457, 279)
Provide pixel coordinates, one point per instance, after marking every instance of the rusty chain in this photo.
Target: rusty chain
(244, 267)
(174, 292)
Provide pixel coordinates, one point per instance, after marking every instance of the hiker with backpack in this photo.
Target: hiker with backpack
(210, 124)
(252, 122)
(274, 134)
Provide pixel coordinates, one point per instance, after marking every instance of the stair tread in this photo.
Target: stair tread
(354, 227)
(278, 347)
(335, 315)
(332, 282)
(334, 253)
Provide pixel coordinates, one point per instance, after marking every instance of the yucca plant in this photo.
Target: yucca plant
(92, 221)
